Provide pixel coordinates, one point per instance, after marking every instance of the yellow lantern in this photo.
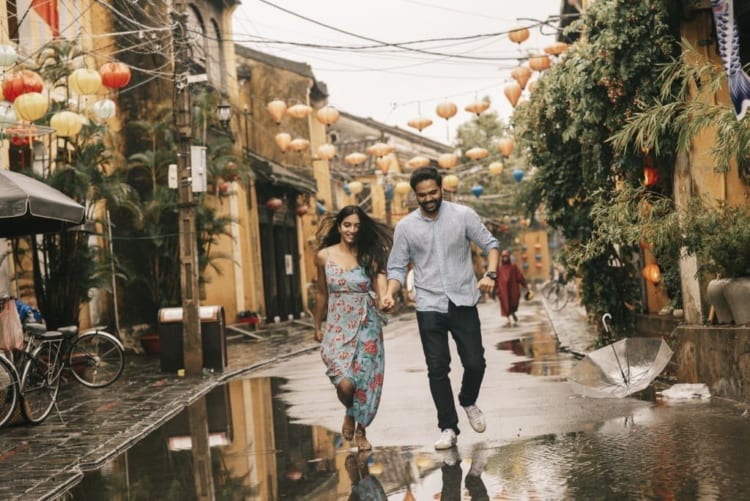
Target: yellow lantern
(521, 75)
(326, 151)
(652, 273)
(327, 115)
(282, 140)
(31, 106)
(380, 149)
(446, 110)
(85, 81)
(355, 187)
(450, 182)
(505, 145)
(66, 123)
(477, 107)
(299, 144)
(539, 62)
(447, 160)
(496, 168)
(355, 158)
(512, 92)
(299, 111)
(556, 48)
(384, 163)
(477, 153)
(518, 35)
(419, 123)
(276, 108)
(418, 161)
(402, 187)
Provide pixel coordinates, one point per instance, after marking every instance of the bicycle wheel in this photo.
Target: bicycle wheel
(558, 297)
(40, 382)
(8, 389)
(96, 359)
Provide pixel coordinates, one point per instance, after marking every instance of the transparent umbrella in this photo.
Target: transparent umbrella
(621, 368)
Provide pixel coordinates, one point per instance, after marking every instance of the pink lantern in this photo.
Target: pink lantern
(276, 109)
(274, 203)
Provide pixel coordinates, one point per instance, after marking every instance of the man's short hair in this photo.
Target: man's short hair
(425, 174)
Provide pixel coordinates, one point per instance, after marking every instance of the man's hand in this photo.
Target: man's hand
(486, 284)
(387, 303)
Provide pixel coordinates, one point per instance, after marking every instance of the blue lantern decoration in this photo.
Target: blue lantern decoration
(525, 266)
(320, 209)
(389, 192)
(517, 175)
(346, 189)
(477, 190)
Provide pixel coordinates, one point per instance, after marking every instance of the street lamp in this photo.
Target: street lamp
(224, 113)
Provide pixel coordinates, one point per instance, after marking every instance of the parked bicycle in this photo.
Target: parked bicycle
(9, 388)
(557, 292)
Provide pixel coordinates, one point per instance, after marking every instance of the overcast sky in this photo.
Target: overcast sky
(391, 84)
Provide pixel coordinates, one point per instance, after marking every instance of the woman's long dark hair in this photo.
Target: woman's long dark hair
(373, 240)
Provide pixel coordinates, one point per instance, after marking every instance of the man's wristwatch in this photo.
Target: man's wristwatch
(491, 274)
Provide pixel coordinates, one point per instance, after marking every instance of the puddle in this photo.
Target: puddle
(541, 354)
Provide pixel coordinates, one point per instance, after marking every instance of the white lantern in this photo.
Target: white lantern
(7, 114)
(104, 109)
(8, 55)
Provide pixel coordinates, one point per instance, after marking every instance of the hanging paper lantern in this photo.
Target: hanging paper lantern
(20, 140)
(345, 188)
(355, 158)
(299, 111)
(517, 175)
(496, 168)
(652, 273)
(476, 153)
(650, 176)
(21, 82)
(380, 149)
(8, 55)
(327, 115)
(450, 182)
(556, 48)
(276, 109)
(299, 144)
(115, 75)
(389, 190)
(477, 190)
(539, 62)
(418, 161)
(274, 203)
(282, 140)
(505, 145)
(446, 110)
(85, 81)
(31, 106)
(512, 91)
(320, 209)
(104, 109)
(302, 210)
(518, 35)
(66, 123)
(355, 187)
(477, 107)
(7, 114)
(419, 123)
(384, 163)
(403, 187)
(326, 151)
(447, 160)
(521, 75)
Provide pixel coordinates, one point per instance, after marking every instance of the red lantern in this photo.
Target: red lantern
(21, 82)
(652, 273)
(20, 140)
(302, 210)
(274, 203)
(115, 75)
(650, 173)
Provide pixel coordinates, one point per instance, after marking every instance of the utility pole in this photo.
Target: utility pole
(192, 347)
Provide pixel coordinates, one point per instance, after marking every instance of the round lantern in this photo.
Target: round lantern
(7, 114)
(650, 176)
(477, 107)
(31, 106)
(21, 82)
(403, 187)
(326, 151)
(299, 111)
(302, 210)
(282, 140)
(274, 203)
(355, 158)
(320, 209)
(496, 168)
(8, 55)
(447, 160)
(419, 123)
(477, 190)
(380, 149)
(521, 75)
(104, 109)
(85, 81)
(276, 109)
(476, 153)
(299, 144)
(450, 182)
(346, 189)
(512, 92)
(355, 187)
(556, 48)
(327, 115)
(517, 175)
(539, 62)
(384, 163)
(20, 140)
(66, 123)
(446, 110)
(418, 161)
(652, 273)
(518, 35)
(505, 145)
(115, 75)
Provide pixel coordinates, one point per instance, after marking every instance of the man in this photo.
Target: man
(436, 239)
(509, 282)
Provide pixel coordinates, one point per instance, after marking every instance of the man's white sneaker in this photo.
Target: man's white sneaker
(447, 440)
(476, 418)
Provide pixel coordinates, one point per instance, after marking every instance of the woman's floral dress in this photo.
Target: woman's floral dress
(352, 344)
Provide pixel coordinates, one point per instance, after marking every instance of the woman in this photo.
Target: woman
(351, 273)
(508, 284)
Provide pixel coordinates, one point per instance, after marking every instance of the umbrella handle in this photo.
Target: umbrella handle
(606, 317)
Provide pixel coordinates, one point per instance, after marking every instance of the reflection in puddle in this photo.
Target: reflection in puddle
(542, 355)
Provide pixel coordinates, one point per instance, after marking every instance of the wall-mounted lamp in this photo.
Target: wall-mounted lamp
(224, 113)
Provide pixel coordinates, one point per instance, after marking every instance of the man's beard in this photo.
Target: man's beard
(432, 206)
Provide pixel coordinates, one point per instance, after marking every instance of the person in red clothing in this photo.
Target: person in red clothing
(508, 286)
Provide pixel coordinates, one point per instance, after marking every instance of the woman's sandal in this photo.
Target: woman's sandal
(347, 430)
(361, 438)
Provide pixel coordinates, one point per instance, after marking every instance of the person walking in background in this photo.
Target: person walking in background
(351, 264)
(508, 286)
(436, 239)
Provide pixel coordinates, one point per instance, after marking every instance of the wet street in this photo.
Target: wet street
(275, 434)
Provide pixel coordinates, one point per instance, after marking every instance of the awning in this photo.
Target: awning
(268, 171)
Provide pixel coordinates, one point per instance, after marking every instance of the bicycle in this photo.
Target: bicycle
(9, 388)
(557, 294)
